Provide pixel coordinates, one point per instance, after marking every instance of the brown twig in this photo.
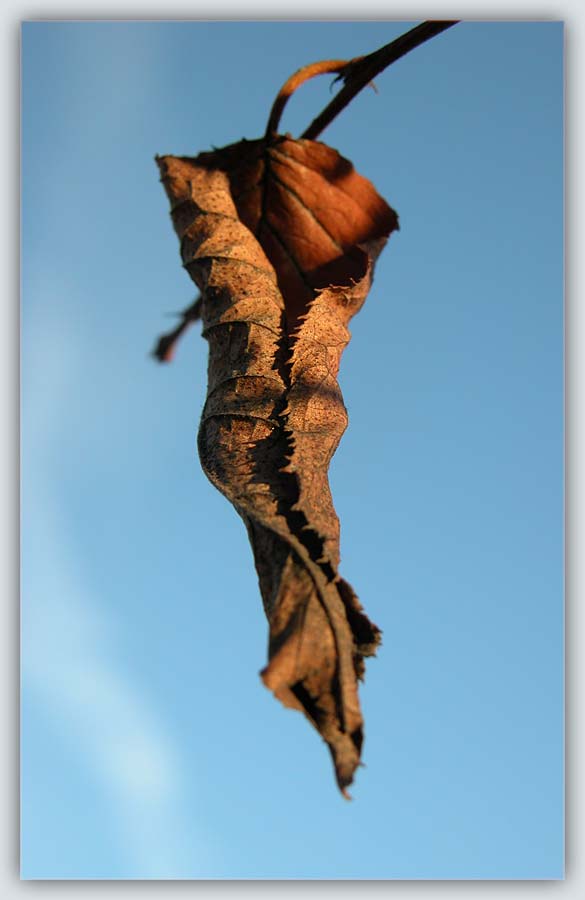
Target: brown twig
(327, 66)
(166, 344)
(359, 72)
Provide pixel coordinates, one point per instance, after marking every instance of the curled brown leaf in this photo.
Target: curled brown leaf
(281, 237)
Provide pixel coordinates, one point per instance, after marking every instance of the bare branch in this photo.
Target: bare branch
(361, 71)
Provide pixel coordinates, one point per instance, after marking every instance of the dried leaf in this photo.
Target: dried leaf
(281, 237)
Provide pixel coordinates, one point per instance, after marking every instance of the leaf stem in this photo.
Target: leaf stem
(326, 66)
(360, 72)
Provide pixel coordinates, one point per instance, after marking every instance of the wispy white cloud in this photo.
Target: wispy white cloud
(95, 705)
(72, 650)
(73, 659)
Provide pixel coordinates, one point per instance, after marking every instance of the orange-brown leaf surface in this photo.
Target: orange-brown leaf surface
(309, 209)
(281, 237)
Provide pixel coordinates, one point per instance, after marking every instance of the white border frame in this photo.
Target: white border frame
(572, 12)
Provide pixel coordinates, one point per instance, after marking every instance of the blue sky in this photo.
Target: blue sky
(150, 749)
